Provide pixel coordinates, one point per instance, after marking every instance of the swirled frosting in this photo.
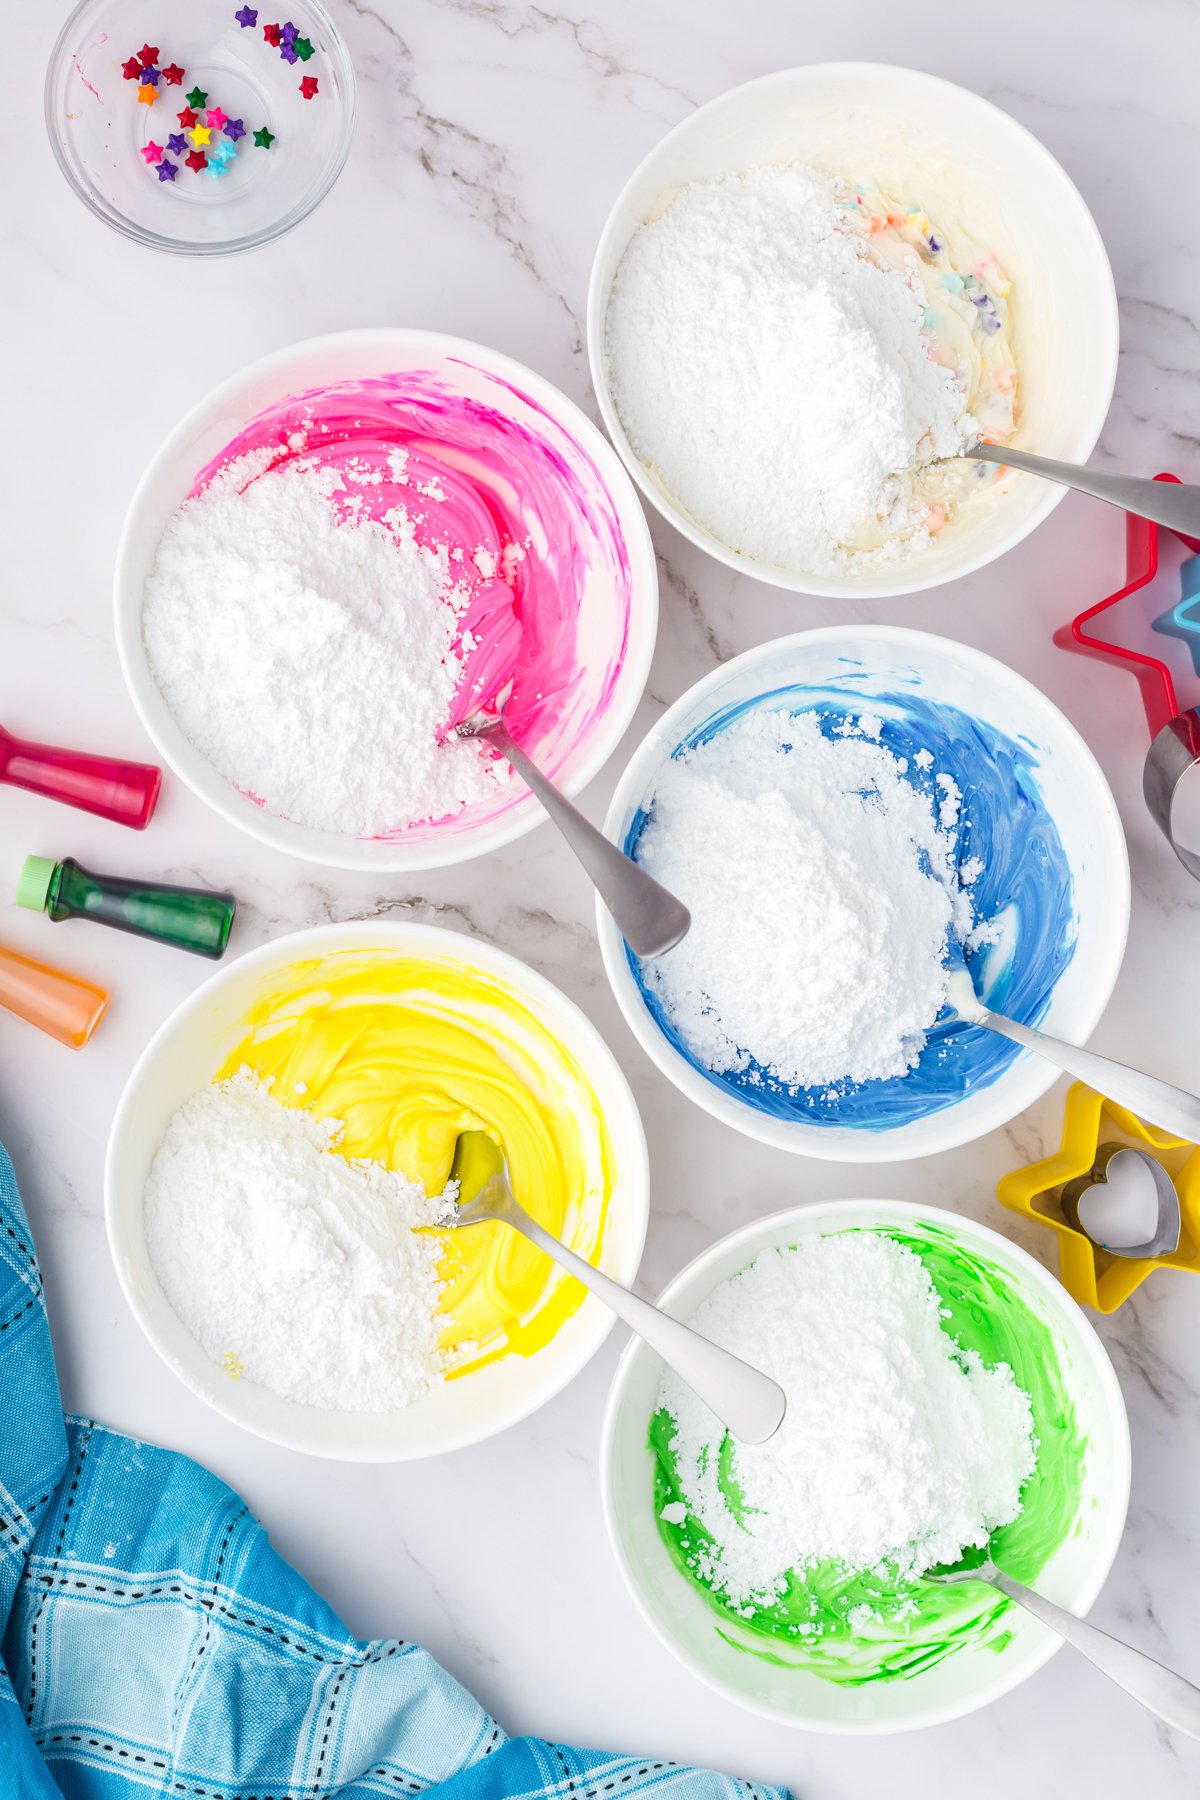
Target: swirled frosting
(408, 1052)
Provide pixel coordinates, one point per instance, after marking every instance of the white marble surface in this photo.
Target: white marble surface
(492, 139)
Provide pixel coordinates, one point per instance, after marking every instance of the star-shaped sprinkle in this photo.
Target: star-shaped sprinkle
(197, 160)
(148, 54)
(271, 33)
(177, 143)
(187, 118)
(173, 75)
(151, 75)
(201, 134)
(245, 16)
(197, 98)
(166, 170)
(216, 166)
(288, 53)
(308, 86)
(288, 34)
(152, 151)
(303, 48)
(264, 138)
(147, 95)
(234, 129)
(215, 117)
(132, 70)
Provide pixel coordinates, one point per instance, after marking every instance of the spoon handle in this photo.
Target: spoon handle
(1160, 1104)
(649, 918)
(744, 1399)
(1164, 1693)
(1170, 503)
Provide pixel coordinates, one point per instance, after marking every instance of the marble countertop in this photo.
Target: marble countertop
(492, 139)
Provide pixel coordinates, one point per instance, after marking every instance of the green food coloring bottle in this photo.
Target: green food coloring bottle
(189, 918)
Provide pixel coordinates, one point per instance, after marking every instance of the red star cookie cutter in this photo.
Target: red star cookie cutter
(1174, 752)
(1141, 566)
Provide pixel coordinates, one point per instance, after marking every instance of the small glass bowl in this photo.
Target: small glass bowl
(99, 128)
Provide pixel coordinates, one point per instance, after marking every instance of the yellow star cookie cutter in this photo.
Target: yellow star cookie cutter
(1091, 1275)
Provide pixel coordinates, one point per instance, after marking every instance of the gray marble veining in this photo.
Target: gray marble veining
(492, 139)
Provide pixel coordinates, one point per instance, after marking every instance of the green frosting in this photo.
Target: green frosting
(913, 1624)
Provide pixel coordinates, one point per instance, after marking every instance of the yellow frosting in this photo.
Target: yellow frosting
(408, 1052)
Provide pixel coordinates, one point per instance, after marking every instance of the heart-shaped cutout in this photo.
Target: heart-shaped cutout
(1126, 1203)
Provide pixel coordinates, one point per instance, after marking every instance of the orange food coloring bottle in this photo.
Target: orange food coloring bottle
(62, 1005)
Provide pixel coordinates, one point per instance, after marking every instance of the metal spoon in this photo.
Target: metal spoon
(649, 918)
(1159, 1689)
(1171, 503)
(1170, 1108)
(744, 1399)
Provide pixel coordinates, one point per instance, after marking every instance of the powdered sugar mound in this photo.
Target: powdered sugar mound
(775, 377)
(896, 1447)
(290, 1264)
(822, 889)
(307, 652)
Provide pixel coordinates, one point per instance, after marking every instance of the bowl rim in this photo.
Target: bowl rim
(345, 852)
(155, 240)
(431, 942)
(761, 1234)
(765, 86)
(843, 1144)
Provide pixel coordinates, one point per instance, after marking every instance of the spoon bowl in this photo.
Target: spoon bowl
(747, 1402)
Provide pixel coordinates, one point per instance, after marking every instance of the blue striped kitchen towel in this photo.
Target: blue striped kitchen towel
(154, 1643)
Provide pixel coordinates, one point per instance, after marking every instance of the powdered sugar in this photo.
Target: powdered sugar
(290, 1264)
(776, 378)
(896, 1447)
(822, 889)
(309, 654)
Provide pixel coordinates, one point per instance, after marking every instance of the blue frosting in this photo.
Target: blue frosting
(1025, 888)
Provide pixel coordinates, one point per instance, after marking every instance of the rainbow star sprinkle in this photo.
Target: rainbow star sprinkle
(207, 137)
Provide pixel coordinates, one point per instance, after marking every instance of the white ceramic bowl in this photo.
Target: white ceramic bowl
(187, 1052)
(864, 662)
(972, 1677)
(895, 123)
(483, 375)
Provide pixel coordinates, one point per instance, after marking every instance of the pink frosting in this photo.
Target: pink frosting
(542, 553)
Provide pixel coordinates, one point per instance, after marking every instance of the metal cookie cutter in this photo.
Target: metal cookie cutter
(1174, 732)
(1096, 1276)
(1172, 755)
(1109, 1157)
